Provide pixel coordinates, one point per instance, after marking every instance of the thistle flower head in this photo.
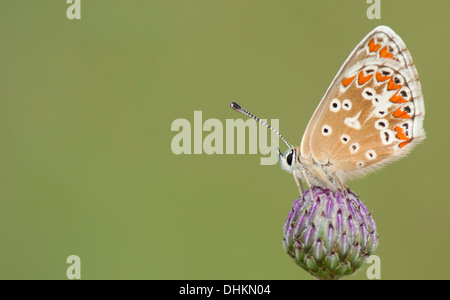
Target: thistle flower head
(330, 234)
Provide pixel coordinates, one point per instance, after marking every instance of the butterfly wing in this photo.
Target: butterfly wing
(372, 113)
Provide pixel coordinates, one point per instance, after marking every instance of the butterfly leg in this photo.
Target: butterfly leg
(296, 174)
(307, 182)
(342, 185)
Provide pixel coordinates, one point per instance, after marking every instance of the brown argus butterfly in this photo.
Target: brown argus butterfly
(371, 115)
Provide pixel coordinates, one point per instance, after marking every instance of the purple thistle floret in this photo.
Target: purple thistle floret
(331, 234)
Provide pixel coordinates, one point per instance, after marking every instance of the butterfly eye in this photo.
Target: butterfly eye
(289, 157)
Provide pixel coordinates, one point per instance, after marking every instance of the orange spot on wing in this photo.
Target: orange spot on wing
(402, 136)
(403, 144)
(393, 86)
(401, 133)
(373, 47)
(385, 53)
(399, 113)
(347, 81)
(396, 98)
(380, 77)
(363, 79)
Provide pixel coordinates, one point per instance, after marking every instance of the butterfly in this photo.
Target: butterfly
(371, 115)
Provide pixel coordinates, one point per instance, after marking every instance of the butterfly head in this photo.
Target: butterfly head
(289, 160)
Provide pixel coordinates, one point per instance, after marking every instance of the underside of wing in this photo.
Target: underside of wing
(372, 114)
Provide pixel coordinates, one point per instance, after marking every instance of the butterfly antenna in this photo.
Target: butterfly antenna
(243, 111)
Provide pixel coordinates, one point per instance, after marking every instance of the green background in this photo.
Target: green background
(86, 108)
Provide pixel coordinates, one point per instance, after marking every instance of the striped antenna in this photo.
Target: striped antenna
(243, 111)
